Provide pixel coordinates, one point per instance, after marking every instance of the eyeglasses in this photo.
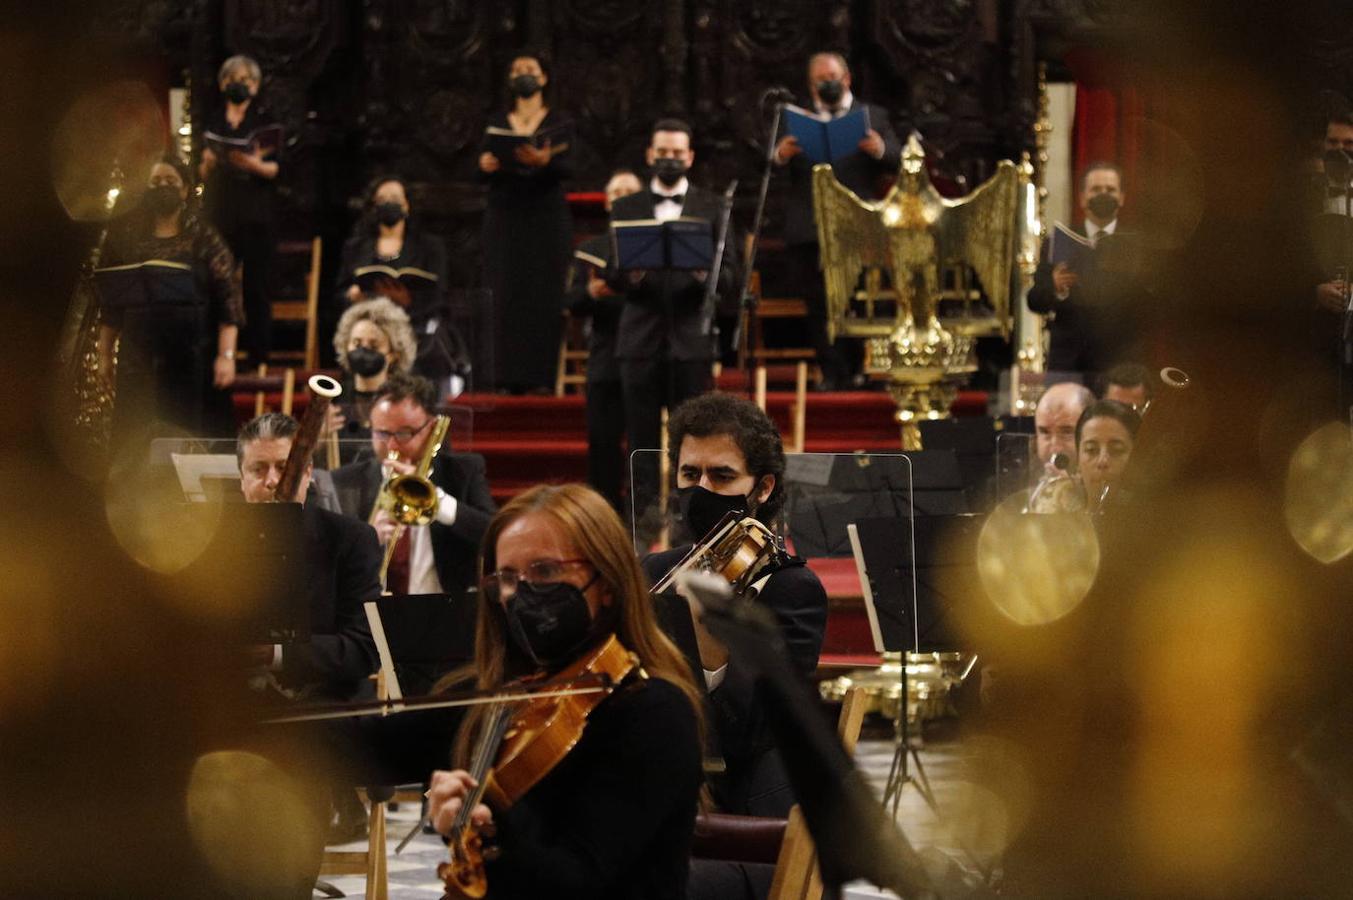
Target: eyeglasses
(402, 435)
(542, 571)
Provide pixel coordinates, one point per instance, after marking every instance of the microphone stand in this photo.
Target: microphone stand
(716, 267)
(747, 303)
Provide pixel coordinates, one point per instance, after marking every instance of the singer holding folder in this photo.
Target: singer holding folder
(877, 155)
(171, 306)
(527, 228)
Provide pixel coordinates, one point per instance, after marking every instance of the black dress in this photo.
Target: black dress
(166, 353)
(614, 820)
(241, 206)
(527, 239)
(441, 351)
(420, 251)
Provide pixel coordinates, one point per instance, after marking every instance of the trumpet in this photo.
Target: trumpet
(410, 499)
(1057, 492)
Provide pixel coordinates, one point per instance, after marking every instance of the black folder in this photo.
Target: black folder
(151, 282)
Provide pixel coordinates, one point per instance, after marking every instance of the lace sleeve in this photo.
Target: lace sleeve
(223, 276)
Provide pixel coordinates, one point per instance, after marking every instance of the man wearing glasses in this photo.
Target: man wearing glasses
(428, 559)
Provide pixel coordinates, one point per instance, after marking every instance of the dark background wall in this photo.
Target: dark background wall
(404, 86)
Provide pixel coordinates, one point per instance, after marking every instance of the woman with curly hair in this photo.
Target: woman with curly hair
(374, 338)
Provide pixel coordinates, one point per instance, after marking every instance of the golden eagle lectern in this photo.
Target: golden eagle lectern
(908, 237)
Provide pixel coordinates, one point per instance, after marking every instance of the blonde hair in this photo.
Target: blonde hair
(594, 529)
(386, 315)
(239, 61)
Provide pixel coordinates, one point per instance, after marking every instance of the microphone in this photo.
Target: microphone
(779, 93)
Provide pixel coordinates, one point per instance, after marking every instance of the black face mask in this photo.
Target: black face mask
(669, 171)
(163, 199)
(390, 213)
(366, 362)
(702, 509)
(524, 85)
(237, 92)
(550, 623)
(1103, 206)
(831, 91)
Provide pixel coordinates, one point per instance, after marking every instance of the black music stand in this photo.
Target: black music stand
(257, 555)
(885, 552)
(419, 638)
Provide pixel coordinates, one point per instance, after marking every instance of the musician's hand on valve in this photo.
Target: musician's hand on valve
(399, 467)
(446, 795)
(385, 526)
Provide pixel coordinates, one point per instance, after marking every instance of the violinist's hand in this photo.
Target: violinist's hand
(446, 795)
(385, 526)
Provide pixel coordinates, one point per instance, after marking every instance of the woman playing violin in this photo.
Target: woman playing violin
(614, 818)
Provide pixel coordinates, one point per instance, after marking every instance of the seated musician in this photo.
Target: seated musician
(1105, 435)
(342, 562)
(728, 455)
(429, 559)
(1055, 418)
(1130, 384)
(615, 817)
(374, 340)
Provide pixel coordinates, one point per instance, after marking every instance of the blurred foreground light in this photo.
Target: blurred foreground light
(1036, 568)
(1319, 493)
(1201, 661)
(150, 519)
(989, 805)
(252, 824)
(104, 147)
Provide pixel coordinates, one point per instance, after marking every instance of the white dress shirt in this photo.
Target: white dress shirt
(422, 564)
(666, 210)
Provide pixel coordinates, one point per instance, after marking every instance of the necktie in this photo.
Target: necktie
(397, 576)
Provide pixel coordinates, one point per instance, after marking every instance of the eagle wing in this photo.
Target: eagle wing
(851, 236)
(981, 229)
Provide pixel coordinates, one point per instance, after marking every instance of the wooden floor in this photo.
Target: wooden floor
(413, 872)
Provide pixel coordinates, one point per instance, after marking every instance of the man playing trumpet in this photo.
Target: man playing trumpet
(426, 559)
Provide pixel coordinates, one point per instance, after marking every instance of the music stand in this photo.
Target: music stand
(885, 550)
(257, 558)
(429, 630)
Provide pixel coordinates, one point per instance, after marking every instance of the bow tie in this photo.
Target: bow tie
(678, 199)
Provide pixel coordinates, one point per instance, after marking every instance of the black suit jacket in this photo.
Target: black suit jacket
(594, 256)
(455, 547)
(859, 171)
(1094, 325)
(664, 316)
(755, 782)
(343, 561)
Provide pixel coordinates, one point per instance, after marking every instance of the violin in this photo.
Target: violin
(519, 744)
(738, 549)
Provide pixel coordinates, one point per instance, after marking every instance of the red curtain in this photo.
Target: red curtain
(1109, 114)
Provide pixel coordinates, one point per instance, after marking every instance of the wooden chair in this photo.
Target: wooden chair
(572, 370)
(754, 839)
(262, 384)
(796, 873)
(302, 310)
(369, 862)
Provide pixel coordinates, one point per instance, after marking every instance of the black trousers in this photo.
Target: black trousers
(606, 438)
(648, 386)
(802, 262)
(255, 247)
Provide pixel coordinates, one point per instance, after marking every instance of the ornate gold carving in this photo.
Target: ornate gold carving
(908, 236)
